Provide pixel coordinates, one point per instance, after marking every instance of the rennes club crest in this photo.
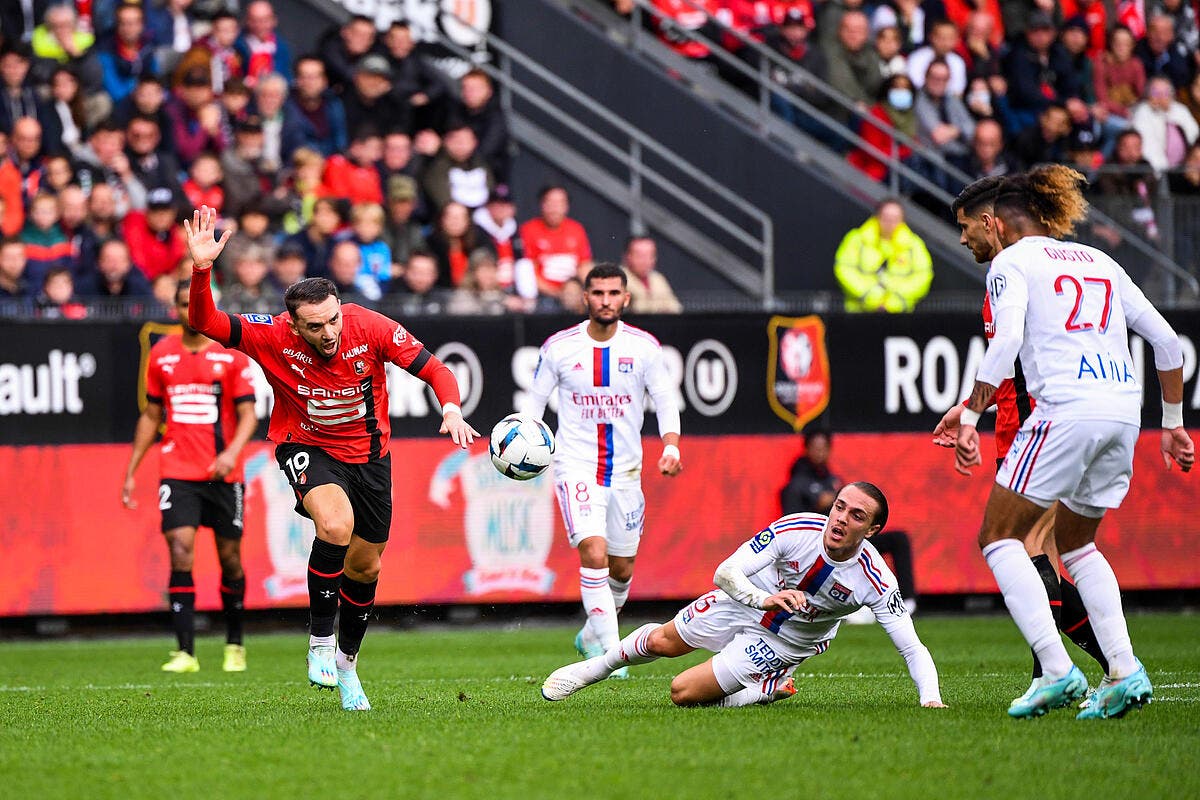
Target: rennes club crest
(797, 369)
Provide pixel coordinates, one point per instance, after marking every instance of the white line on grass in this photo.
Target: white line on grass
(509, 679)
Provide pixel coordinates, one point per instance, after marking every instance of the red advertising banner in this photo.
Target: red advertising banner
(462, 533)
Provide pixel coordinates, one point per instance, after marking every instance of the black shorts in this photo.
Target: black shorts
(368, 485)
(190, 504)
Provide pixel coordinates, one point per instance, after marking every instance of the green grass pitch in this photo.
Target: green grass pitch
(458, 714)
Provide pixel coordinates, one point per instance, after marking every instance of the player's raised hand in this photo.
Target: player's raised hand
(127, 493)
(966, 449)
(461, 433)
(202, 244)
(946, 432)
(1177, 446)
(792, 600)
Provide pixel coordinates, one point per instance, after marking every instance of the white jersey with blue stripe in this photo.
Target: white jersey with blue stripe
(790, 554)
(602, 389)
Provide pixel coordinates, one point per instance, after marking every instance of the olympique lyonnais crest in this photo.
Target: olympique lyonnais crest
(797, 369)
(624, 364)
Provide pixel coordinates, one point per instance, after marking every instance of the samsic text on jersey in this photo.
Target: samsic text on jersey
(199, 392)
(339, 404)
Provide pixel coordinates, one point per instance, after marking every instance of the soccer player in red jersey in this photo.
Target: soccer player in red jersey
(330, 425)
(204, 394)
(974, 212)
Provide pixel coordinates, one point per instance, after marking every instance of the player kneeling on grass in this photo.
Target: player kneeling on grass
(779, 601)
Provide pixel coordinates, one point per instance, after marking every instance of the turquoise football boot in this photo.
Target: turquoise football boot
(1048, 693)
(349, 687)
(322, 671)
(1119, 697)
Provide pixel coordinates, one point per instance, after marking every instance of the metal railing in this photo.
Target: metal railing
(633, 156)
(901, 175)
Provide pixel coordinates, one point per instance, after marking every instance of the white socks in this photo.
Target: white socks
(1097, 585)
(321, 641)
(620, 591)
(1025, 596)
(632, 650)
(344, 661)
(597, 600)
(744, 697)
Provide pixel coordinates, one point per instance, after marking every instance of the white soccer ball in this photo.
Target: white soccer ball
(521, 446)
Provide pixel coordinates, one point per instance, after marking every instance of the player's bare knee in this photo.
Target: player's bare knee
(363, 571)
(681, 692)
(659, 644)
(620, 569)
(181, 554)
(593, 553)
(336, 531)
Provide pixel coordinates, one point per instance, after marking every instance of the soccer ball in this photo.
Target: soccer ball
(521, 446)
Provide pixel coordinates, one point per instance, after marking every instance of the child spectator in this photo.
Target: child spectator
(288, 267)
(366, 221)
(57, 298)
(345, 270)
(251, 292)
(203, 186)
(480, 292)
(304, 185)
(235, 101)
(163, 289)
(253, 230)
(46, 246)
(57, 174)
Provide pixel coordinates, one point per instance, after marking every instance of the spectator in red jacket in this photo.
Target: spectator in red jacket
(155, 242)
(11, 203)
(556, 244)
(893, 108)
(353, 176)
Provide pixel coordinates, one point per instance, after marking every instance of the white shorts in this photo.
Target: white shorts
(747, 654)
(1084, 463)
(617, 513)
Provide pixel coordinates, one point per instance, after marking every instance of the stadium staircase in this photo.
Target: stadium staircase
(743, 204)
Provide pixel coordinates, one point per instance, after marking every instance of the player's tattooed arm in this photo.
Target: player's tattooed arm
(981, 397)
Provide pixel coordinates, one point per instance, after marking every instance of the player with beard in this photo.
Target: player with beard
(325, 362)
(976, 220)
(205, 395)
(602, 369)
(1067, 309)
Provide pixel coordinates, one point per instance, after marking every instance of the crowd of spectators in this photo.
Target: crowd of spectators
(359, 160)
(991, 86)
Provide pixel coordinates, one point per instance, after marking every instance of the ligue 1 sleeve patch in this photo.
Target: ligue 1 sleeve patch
(259, 319)
(399, 336)
(996, 286)
(896, 605)
(762, 541)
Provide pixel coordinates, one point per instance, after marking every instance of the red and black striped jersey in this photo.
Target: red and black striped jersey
(339, 404)
(199, 392)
